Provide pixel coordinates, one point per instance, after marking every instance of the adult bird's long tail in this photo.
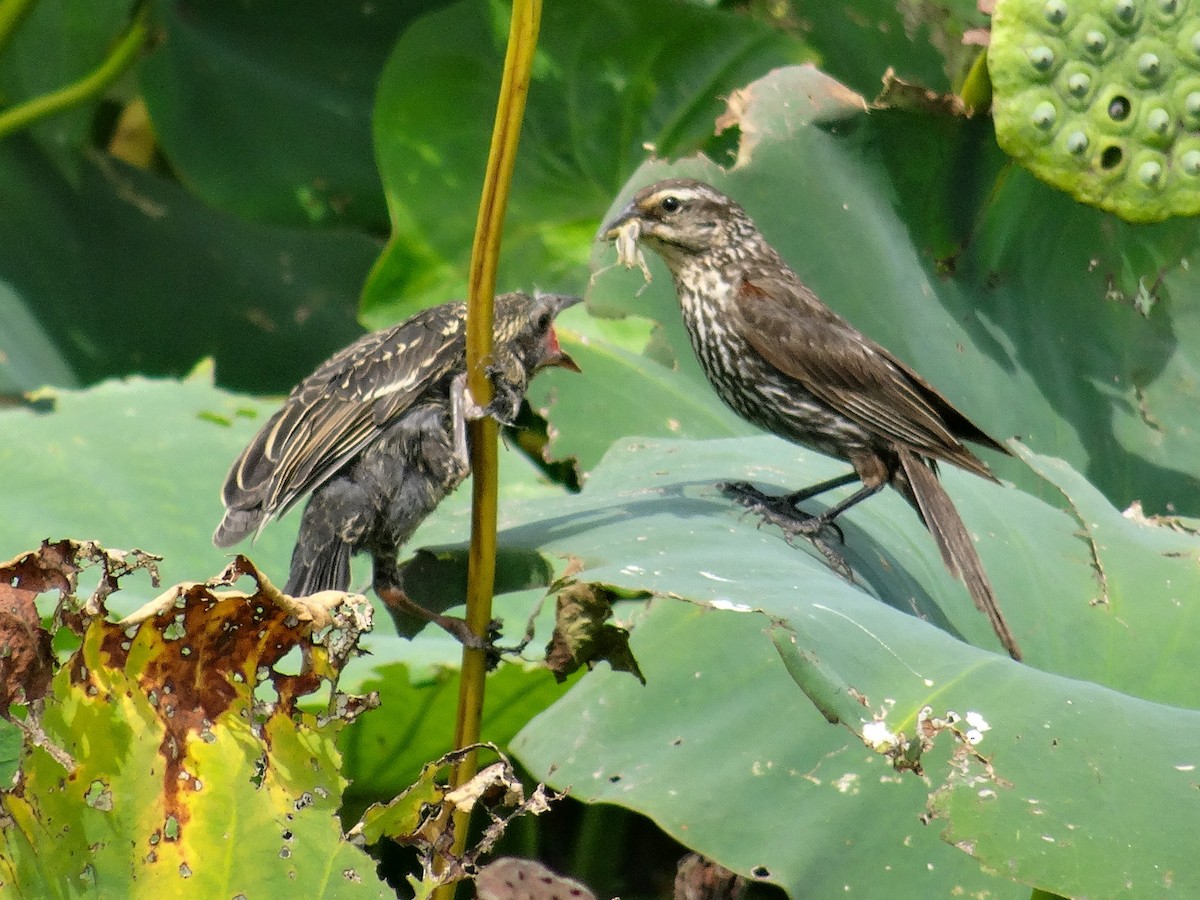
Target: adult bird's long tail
(954, 542)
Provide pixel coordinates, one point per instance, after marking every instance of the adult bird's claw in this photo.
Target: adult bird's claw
(781, 512)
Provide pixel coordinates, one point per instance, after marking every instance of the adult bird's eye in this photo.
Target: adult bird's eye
(670, 204)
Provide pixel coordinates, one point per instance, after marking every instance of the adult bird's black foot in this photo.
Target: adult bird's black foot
(780, 510)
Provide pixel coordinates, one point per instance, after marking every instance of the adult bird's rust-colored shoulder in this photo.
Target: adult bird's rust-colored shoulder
(333, 414)
(783, 320)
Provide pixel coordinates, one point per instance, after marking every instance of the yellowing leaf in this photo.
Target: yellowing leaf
(190, 767)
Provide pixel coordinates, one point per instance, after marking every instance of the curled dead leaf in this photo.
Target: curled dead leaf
(900, 94)
(583, 636)
(422, 816)
(698, 878)
(28, 663)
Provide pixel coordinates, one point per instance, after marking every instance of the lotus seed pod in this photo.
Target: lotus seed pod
(1101, 98)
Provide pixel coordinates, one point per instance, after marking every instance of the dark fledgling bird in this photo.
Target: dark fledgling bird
(377, 435)
(787, 363)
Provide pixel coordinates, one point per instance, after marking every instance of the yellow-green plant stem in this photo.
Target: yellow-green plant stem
(12, 13)
(91, 85)
(481, 563)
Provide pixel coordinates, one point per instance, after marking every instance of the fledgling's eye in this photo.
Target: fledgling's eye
(544, 320)
(669, 204)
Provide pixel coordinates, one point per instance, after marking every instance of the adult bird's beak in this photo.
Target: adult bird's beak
(614, 228)
(625, 231)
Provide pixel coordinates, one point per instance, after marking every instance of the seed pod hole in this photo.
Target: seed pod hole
(1118, 108)
(1110, 158)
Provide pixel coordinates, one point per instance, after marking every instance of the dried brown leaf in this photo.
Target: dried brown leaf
(900, 94)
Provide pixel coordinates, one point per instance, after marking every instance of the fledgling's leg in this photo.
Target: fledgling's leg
(387, 587)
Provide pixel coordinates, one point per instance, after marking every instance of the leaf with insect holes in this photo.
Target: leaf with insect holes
(175, 734)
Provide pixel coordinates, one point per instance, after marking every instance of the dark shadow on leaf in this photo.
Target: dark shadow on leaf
(437, 578)
(877, 570)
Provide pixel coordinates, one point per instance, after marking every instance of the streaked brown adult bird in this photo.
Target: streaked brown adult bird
(787, 363)
(377, 436)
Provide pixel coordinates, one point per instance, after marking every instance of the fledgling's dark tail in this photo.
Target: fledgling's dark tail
(333, 525)
(954, 542)
(324, 568)
(321, 560)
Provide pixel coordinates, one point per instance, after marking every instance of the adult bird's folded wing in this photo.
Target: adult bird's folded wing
(851, 373)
